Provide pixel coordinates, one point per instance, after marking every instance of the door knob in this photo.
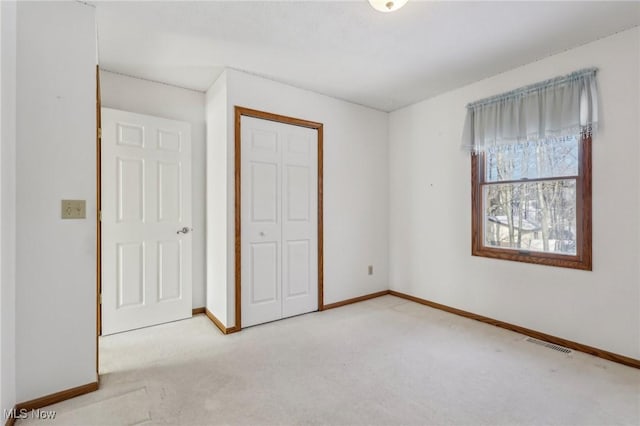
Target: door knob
(262, 234)
(184, 230)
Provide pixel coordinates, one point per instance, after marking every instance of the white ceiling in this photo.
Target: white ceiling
(346, 49)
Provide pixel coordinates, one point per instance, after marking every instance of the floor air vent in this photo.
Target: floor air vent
(548, 345)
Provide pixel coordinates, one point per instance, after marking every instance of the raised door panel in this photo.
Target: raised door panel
(298, 268)
(130, 274)
(130, 135)
(263, 141)
(264, 282)
(130, 196)
(264, 193)
(169, 140)
(169, 192)
(298, 192)
(169, 270)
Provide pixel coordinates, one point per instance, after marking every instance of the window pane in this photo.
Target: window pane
(532, 216)
(532, 160)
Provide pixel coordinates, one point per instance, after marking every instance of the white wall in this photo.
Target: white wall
(217, 187)
(430, 219)
(7, 206)
(56, 159)
(355, 183)
(162, 100)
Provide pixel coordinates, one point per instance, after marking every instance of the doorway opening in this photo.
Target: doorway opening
(144, 221)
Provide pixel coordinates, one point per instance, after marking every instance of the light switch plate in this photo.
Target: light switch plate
(74, 209)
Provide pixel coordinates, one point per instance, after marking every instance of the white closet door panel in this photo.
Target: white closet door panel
(298, 268)
(264, 193)
(261, 225)
(264, 282)
(300, 221)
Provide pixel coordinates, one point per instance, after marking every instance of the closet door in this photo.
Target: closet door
(278, 220)
(299, 220)
(261, 238)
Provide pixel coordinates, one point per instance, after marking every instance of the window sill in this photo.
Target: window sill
(538, 258)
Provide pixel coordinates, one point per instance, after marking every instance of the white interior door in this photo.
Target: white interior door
(279, 203)
(146, 220)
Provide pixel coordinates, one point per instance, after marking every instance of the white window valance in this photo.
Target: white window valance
(555, 108)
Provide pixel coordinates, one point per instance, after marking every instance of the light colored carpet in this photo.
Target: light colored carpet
(385, 361)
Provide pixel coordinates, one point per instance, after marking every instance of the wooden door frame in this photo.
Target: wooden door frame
(247, 112)
(98, 217)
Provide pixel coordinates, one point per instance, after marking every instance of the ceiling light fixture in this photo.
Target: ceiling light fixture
(387, 5)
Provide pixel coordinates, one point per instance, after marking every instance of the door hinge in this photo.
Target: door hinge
(100, 215)
(100, 132)
(101, 298)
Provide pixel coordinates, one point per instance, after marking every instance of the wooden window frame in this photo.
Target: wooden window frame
(583, 257)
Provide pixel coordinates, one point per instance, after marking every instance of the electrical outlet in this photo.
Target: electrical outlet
(370, 269)
(73, 209)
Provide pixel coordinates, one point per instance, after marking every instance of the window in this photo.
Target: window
(531, 171)
(531, 202)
